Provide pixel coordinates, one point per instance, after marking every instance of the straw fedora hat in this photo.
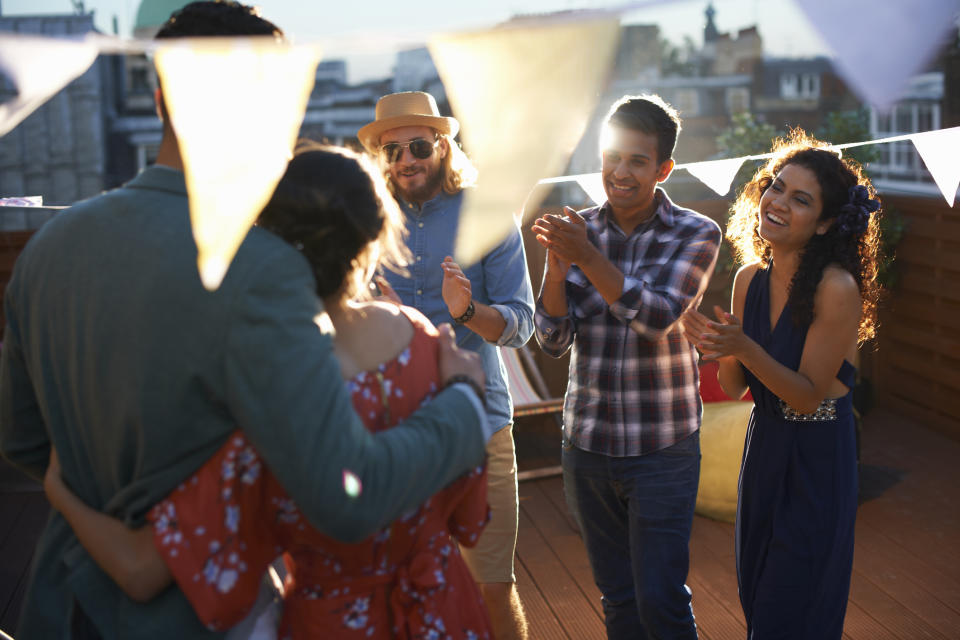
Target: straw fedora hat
(409, 108)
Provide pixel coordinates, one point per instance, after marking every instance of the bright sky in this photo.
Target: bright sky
(369, 32)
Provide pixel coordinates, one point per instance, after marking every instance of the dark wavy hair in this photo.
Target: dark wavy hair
(851, 242)
(334, 208)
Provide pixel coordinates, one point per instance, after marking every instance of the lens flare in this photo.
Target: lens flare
(351, 484)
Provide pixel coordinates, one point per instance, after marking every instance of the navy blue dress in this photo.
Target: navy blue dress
(797, 496)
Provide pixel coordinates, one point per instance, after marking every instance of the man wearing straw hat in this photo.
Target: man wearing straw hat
(490, 302)
(116, 355)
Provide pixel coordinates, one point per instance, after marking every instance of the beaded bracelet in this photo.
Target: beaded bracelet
(467, 315)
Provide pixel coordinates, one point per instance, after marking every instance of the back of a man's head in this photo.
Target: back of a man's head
(211, 18)
(217, 18)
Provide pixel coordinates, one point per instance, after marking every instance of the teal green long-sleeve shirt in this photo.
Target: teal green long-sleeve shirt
(115, 354)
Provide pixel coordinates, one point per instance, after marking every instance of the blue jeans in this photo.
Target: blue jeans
(635, 516)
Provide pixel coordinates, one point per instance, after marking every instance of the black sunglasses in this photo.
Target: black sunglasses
(421, 149)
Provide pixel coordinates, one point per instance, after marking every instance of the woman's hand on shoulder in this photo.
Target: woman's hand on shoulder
(53, 485)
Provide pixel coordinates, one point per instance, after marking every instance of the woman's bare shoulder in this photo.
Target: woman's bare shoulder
(745, 273)
(742, 279)
(380, 310)
(388, 313)
(375, 316)
(838, 295)
(376, 333)
(837, 282)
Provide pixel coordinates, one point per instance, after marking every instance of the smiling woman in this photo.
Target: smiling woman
(807, 295)
(790, 207)
(818, 195)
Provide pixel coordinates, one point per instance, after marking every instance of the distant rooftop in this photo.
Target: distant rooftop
(153, 13)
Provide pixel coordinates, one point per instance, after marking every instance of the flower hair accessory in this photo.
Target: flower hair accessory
(855, 215)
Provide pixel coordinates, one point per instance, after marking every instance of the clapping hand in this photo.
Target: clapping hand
(724, 337)
(565, 237)
(695, 325)
(456, 290)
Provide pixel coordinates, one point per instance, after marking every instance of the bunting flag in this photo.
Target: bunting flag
(938, 148)
(592, 184)
(940, 151)
(236, 106)
(39, 67)
(510, 87)
(878, 46)
(716, 174)
(523, 95)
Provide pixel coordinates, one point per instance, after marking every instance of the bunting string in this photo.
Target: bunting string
(937, 147)
(564, 69)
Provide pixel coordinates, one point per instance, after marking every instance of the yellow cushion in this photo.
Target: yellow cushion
(721, 445)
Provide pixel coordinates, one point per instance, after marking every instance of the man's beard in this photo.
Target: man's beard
(422, 193)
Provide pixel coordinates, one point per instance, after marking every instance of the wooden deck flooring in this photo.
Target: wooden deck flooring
(23, 512)
(906, 581)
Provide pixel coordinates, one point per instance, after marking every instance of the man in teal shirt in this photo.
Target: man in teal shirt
(116, 355)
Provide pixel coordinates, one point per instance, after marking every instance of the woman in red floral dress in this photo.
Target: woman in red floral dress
(218, 532)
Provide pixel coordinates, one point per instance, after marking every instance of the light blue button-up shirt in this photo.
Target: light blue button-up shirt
(499, 280)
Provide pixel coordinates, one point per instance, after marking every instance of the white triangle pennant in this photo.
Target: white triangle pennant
(940, 151)
(236, 106)
(39, 67)
(523, 95)
(878, 46)
(592, 183)
(716, 174)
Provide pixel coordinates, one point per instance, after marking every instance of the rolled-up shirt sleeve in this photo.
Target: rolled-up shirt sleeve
(508, 289)
(510, 331)
(652, 304)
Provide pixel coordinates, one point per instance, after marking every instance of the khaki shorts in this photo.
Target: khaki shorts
(492, 559)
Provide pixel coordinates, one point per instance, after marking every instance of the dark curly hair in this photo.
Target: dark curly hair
(334, 208)
(852, 242)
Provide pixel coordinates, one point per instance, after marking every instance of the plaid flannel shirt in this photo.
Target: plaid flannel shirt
(634, 382)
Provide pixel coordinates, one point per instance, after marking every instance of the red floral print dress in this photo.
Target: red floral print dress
(220, 529)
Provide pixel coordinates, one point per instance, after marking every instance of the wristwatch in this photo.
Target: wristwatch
(467, 315)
